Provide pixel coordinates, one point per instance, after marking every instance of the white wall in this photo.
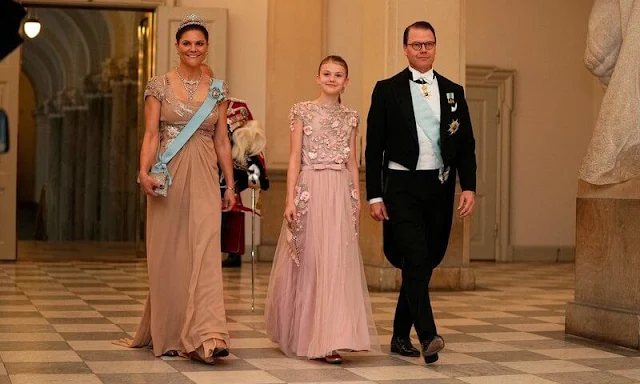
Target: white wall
(246, 49)
(556, 102)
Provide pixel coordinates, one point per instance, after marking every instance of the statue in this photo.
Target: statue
(613, 56)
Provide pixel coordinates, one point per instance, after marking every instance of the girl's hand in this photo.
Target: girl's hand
(290, 213)
(357, 214)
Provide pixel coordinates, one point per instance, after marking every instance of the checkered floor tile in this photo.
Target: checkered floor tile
(57, 320)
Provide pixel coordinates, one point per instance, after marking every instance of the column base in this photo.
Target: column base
(384, 279)
(604, 324)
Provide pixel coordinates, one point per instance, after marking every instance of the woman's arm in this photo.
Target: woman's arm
(223, 152)
(150, 143)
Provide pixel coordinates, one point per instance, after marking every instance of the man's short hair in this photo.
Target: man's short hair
(418, 25)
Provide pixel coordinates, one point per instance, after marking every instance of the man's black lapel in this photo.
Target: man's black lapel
(445, 108)
(402, 93)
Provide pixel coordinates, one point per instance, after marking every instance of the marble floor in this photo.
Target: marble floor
(57, 320)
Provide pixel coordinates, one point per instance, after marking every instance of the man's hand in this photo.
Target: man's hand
(378, 211)
(467, 203)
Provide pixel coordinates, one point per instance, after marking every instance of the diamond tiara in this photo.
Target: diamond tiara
(191, 19)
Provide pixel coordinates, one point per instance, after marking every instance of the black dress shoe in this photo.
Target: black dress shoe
(170, 353)
(233, 260)
(403, 346)
(431, 359)
(431, 348)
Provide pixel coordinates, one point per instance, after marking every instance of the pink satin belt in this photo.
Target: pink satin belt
(322, 167)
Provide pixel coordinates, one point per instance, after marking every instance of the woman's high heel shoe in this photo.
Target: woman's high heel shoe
(220, 351)
(334, 358)
(195, 356)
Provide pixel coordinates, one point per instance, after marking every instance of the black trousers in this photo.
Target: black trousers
(420, 210)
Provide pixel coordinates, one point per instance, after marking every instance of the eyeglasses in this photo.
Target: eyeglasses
(428, 45)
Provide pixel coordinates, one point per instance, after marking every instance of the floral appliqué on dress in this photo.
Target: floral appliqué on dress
(355, 202)
(326, 133)
(301, 202)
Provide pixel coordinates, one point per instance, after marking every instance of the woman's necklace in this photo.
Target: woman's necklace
(190, 85)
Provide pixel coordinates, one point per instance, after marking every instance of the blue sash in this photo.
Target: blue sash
(214, 96)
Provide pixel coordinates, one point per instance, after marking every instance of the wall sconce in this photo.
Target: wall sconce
(32, 27)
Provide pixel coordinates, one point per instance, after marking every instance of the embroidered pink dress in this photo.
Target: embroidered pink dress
(318, 300)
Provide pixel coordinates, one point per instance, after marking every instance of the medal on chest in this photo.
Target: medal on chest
(425, 90)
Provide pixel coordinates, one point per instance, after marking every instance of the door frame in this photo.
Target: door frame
(155, 52)
(146, 5)
(503, 81)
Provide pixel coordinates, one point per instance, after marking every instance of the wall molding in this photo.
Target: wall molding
(551, 253)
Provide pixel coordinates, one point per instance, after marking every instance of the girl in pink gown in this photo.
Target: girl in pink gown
(317, 302)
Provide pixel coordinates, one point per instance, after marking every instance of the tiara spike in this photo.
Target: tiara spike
(191, 19)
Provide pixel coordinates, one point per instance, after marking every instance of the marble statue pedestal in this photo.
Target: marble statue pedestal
(607, 298)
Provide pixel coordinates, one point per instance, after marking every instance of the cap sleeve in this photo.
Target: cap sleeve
(225, 91)
(155, 87)
(295, 115)
(354, 120)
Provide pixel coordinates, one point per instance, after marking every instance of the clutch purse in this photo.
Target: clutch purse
(162, 179)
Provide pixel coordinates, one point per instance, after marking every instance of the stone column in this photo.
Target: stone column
(291, 79)
(80, 172)
(67, 173)
(117, 163)
(105, 171)
(53, 178)
(93, 166)
(42, 152)
(607, 298)
(132, 160)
